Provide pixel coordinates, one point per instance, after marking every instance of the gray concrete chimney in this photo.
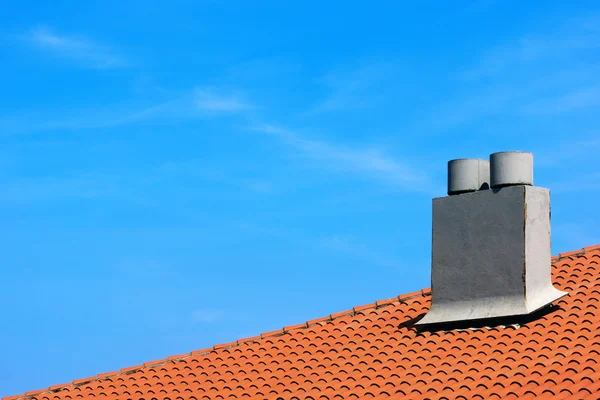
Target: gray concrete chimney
(491, 248)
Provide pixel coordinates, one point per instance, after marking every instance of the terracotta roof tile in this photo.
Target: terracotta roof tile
(34, 392)
(374, 351)
(130, 369)
(60, 386)
(294, 327)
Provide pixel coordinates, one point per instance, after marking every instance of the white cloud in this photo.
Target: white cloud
(177, 109)
(577, 99)
(210, 100)
(572, 151)
(192, 104)
(80, 119)
(142, 267)
(370, 162)
(356, 88)
(350, 246)
(553, 71)
(76, 48)
(198, 170)
(258, 186)
(44, 189)
(532, 49)
(84, 186)
(207, 315)
(579, 182)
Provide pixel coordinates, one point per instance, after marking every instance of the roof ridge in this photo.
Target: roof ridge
(576, 253)
(286, 329)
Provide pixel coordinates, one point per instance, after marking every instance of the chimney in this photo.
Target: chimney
(490, 242)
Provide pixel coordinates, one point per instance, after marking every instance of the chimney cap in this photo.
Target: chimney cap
(468, 175)
(510, 168)
(511, 152)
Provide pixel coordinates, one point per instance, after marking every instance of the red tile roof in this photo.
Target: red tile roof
(374, 351)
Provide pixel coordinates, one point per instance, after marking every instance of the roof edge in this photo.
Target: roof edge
(286, 329)
(576, 253)
(263, 336)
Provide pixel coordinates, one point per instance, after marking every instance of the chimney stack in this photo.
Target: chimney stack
(490, 242)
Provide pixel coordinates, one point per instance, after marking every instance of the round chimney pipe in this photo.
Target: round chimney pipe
(468, 175)
(510, 168)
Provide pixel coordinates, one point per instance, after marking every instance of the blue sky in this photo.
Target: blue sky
(184, 173)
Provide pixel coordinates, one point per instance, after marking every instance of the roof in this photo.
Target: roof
(374, 351)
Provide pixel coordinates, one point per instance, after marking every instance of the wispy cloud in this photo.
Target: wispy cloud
(142, 268)
(198, 169)
(550, 72)
(572, 151)
(90, 118)
(369, 162)
(197, 103)
(258, 186)
(45, 189)
(211, 100)
(577, 182)
(559, 45)
(205, 102)
(207, 315)
(352, 247)
(77, 48)
(356, 88)
(578, 99)
(132, 187)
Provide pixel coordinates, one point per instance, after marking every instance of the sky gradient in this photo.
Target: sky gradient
(179, 174)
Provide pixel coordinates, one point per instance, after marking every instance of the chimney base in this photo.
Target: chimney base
(491, 255)
(488, 308)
